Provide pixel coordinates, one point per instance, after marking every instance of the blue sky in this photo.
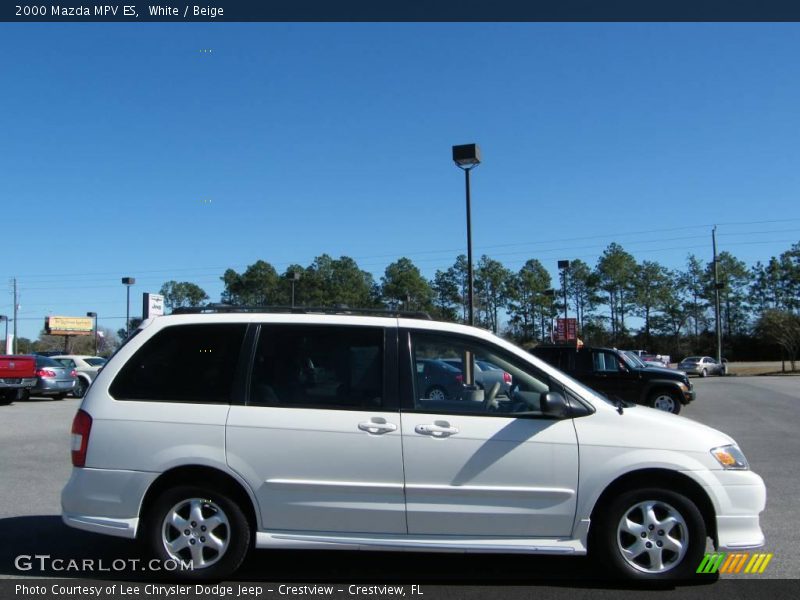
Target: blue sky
(127, 150)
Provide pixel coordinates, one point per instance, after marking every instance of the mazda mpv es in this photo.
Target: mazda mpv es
(213, 432)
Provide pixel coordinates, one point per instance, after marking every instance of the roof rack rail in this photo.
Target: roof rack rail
(301, 310)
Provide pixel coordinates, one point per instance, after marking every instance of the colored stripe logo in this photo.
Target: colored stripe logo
(734, 562)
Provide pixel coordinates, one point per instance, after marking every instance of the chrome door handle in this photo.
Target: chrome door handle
(436, 430)
(377, 427)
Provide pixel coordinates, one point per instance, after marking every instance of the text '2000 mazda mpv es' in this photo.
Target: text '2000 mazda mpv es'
(213, 431)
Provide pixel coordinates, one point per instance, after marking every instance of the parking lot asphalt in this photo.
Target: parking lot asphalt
(761, 413)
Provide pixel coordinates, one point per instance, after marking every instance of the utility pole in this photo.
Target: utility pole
(716, 295)
(14, 342)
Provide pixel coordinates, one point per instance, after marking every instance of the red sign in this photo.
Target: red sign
(566, 330)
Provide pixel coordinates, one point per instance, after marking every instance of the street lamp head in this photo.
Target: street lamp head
(563, 264)
(294, 275)
(551, 292)
(91, 314)
(467, 156)
(3, 318)
(128, 280)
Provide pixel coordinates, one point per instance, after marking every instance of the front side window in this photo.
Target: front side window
(308, 366)
(441, 384)
(183, 363)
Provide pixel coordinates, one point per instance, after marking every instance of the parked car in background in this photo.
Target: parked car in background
(17, 376)
(486, 374)
(438, 380)
(648, 358)
(86, 368)
(653, 360)
(53, 378)
(703, 366)
(615, 374)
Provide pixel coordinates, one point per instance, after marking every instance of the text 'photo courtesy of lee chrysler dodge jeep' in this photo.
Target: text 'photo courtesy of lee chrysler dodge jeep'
(316, 428)
(620, 376)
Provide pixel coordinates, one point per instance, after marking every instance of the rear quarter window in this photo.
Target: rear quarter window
(183, 363)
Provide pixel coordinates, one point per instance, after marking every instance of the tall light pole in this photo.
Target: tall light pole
(563, 266)
(467, 157)
(128, 282)
(5, 339)
(717, 287)
(94, 315)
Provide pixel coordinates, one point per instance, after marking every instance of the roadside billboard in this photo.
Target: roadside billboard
(69, 325)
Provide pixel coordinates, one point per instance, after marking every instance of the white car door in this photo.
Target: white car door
(317, 440)
(490, 467)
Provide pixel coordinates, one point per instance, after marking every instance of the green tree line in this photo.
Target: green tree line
(617, 301)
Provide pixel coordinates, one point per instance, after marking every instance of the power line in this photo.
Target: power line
(72, 276)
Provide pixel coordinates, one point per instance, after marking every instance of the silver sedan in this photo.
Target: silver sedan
(53, 378)
(703, 366)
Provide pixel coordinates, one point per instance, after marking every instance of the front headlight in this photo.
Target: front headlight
(730, 457)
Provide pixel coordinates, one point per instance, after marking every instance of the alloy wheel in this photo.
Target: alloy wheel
(652, 537)
(196, 529)
(664, 402)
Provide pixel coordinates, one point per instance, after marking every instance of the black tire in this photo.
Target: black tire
(704, 373)
(25, 396)
(607, 539)
(80, 388)
(235, 533)
(59, 396)
(438, 390)
(666, 400)
(7, 397)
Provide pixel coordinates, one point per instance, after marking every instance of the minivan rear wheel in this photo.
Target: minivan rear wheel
(203, 526)
(651, 535)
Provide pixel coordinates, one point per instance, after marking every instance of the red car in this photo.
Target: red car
(17, 376)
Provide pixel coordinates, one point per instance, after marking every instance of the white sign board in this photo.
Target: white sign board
(152, 305)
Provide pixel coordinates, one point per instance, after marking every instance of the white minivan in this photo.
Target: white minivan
(215, 431)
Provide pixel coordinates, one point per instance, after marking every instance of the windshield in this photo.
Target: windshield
(633, 360)
(691, 359)
(44, 361)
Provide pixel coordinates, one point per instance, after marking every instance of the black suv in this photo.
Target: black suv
(618, 376)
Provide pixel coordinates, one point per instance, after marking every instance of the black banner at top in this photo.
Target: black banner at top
(132, 11)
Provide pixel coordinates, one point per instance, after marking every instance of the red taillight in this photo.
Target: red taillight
(507, 378)
(459, 379)
(81, 426)
(73, 373)
(45, 373)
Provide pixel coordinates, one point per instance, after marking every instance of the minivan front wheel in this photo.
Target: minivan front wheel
(665, 400)
(652, 534)
(202, 528)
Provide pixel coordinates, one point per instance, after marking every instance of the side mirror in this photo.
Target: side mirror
(555, 405)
